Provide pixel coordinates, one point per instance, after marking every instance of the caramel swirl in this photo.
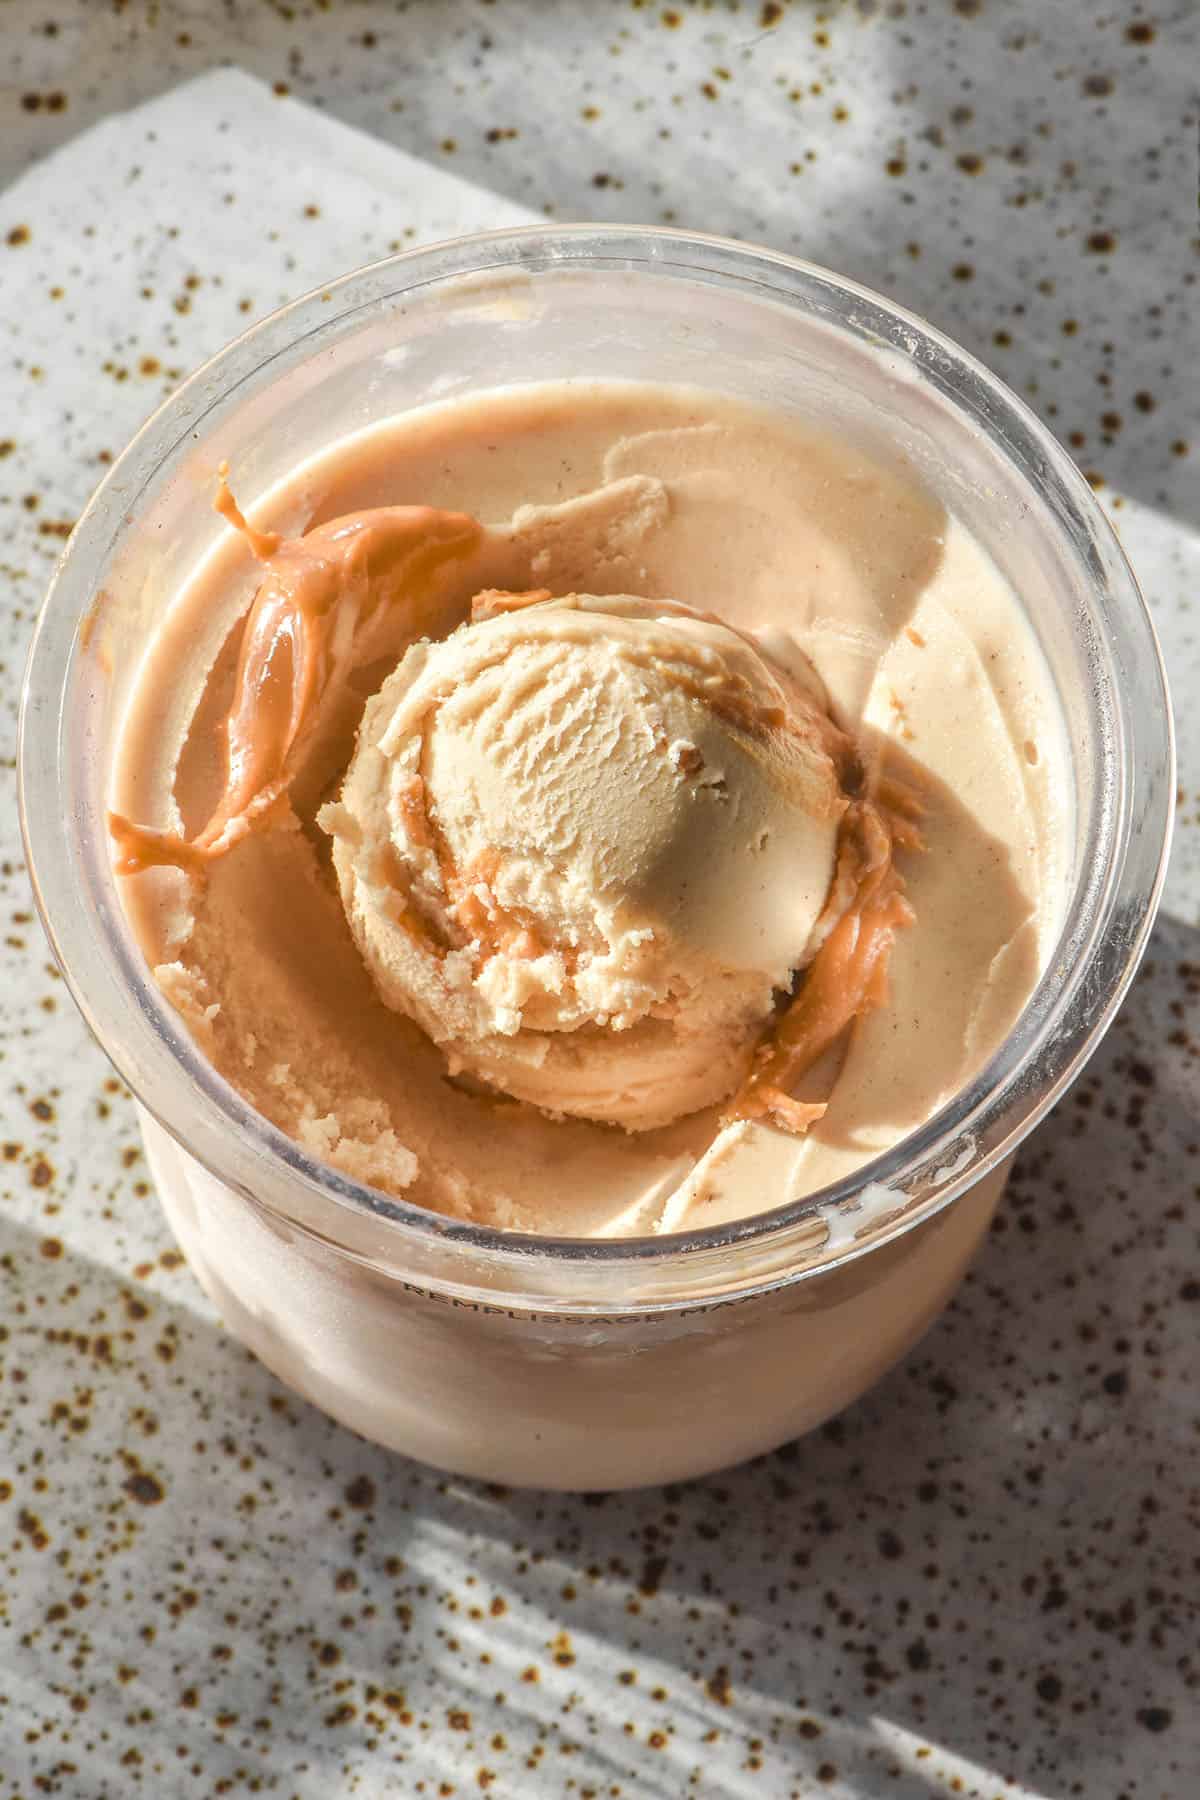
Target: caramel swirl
(849, 974)
(317, 593)
(490, 603)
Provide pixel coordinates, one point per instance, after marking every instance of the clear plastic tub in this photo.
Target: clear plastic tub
(557, 1362)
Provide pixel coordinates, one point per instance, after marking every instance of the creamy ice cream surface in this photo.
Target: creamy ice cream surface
(585, 843)
(606, 810)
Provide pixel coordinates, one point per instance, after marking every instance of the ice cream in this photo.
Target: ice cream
(602, 911)
(586, 843)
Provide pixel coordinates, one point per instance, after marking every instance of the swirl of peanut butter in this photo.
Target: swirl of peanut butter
(317, 593)
(848, 976)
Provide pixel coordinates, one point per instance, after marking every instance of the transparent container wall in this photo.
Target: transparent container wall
(536, 1399)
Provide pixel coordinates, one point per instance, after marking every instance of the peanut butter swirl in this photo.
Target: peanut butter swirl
(848, 975)
(318, 593)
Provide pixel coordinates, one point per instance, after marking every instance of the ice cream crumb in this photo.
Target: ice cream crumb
(189, 994)
(381, 1160)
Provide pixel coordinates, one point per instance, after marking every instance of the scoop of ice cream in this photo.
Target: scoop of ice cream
(585, 843)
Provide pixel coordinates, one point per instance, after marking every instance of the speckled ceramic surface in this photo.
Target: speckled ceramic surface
(981, 1580)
